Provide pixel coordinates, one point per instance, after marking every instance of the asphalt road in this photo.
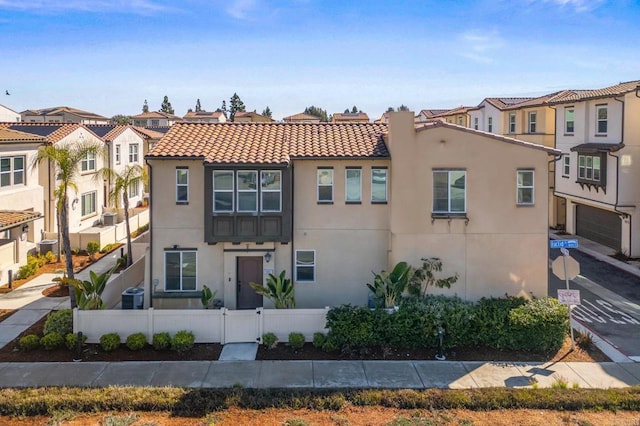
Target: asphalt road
(610, 301)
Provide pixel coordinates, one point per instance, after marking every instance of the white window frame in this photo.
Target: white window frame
(134, 189)
(133, 153)
(12, 172)
(247, 191)
(181, 286)
(88, 162)
(475, 123)
(566, 166)
(307, 265)
(521, 187)
(572, 111)
(587, 170)
(232, 190)
(386, 184)
(358, 199)
(603, 121)
(490, 124)
(88, 196)
(117, 153)
(155, 123)
(449, 210)
(512, 122)
(264, 190)
(533, 121)
(321, 171)
(180, 171)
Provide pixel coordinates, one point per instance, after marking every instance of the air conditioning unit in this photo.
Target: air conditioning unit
(109, 219)
(48, 245)
(133, 298)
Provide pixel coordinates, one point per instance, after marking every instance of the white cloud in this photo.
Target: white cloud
(577, 5)
(478, 45)
(241, 9)
(96, 6)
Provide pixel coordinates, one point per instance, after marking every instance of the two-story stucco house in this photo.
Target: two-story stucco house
(8, 115)
(155, 119)
(598, 132)
(205, 117)
(62, 114)
(459, 116)
(330, 203)
(488, 117)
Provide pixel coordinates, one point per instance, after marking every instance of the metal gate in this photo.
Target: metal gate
(242, 326)
(599, 225)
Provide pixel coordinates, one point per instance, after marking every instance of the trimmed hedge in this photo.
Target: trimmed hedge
(60, 322)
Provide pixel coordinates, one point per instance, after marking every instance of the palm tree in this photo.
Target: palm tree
(132, 174)
(66, 161)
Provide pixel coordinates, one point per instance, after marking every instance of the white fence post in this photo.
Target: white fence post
(223, 318)
(260, 328)
(150, 324)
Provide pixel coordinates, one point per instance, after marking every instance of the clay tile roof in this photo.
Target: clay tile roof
(301, 116)
(156, 114)
(8, 135)
(271, 143)
(200, 114)
(428, 113)
(147, 133)
(62, 109)
(579, 95)
(12, 218)
(503, 103)
(53, 132)
(539, 101)
(458, 110)
(350, 116)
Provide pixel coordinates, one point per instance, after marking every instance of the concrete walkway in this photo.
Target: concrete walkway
(320, 374)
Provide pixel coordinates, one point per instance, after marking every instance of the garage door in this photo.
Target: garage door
(599, 225)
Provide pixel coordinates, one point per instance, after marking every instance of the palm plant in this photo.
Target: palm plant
(388, 287)
(89, 293)
(278, 289)
(132, 174)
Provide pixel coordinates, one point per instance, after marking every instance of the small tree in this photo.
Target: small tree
(89, 293)
(121, 119)
(223, 108)
(198, 106)
(317, 112)
(235, 105)
(354, 109)
(278, 289)
(424, 277)
(145, 106)
(267, 112)
(166, 105)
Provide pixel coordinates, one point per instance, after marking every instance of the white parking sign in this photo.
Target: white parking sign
(569, 297)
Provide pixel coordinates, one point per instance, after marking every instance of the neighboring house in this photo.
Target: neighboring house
(62, 114)
(384, 119)
(459, 116)
(350, 117)
(155, 119)
(301, 118)
(8, 115)
(598, 132)
(487, 116)
(251, 117)
(22, 199)
(87, 201)
(330, 203)
(427, 115)
(205, 117)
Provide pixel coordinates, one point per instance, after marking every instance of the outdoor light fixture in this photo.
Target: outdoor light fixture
(25, 227)
(74, 203)
(267, 257)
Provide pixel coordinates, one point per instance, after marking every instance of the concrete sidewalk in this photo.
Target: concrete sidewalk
(320, 374)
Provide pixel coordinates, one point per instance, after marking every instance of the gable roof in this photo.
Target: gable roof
(606, 92)
(533, 102)
(459, 110)
(60, 110)
(301, 116)
(439, 123)
(346, 116)
(503, 103)
(12, 218)
(156, 114)
(271, 143)
(204, 114)
(53, 132)
(9, 136)
(148, 133)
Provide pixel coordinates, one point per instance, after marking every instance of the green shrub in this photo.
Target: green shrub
(161, 341)
(29, 342)
(318, 340)
(350, 327)
(50, 257)
(109, 247)
(491, 325)
(540, 325)
(269, 340)
(52, 341)
(92, 248)
(31, 267)
(136, 341)
(182, 341)
(296, 340)
(60, 322)
(109, 342)
(71, 340)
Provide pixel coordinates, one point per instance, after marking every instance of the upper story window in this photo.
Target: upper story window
(88, 203)
(155, 123)
(460, 121)
(182, 185)
(240, 191)
(449, 191)
(512, 122)
(117, 154)
(569, 117)
(271, 190)
(533, 117)
(353, 185)
(12, 171)
(180, 270)
(379, 185)
(325, 185)
(601, 119)
(475, 123)
(589, 168)
(525, 187)
(133, 153)
(88, 163)
(490, 124)
(566, 166)
(247, 191)
(223, 189)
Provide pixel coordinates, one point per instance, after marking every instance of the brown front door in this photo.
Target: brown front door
(249, 271)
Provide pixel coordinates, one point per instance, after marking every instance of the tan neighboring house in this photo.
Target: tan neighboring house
(350, 117)
(488, 116)
(205, 117)
(301, 118)
(459, 116)
(330, 203)
(251, 117)
(155, 119)
(598, 132)
(62, 114)
(22, 200)
(8, 115)
(427, 115)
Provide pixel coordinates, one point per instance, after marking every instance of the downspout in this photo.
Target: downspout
(293, 248)
(150, 240)
(555, 169)
(616, 205)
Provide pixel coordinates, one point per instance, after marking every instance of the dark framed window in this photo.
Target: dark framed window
(223, 188)
(601, 119)
(449, 191)
(271, 191)
(182, 185)
(305, 265)
(180, 270)
(589, 168)
(569, 121)
(12, 171)
(379, 185)
(490, 124)
(566, 166)
(325, 185)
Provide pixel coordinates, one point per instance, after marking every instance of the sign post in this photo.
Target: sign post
(570, 270)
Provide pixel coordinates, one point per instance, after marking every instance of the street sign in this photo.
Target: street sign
(554, 244)
(569, 297)
(573, 267)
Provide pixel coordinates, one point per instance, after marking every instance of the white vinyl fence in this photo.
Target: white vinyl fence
(207, 325)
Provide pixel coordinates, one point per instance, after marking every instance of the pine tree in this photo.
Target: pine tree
(317, 112)
(390, 109)
(354, 110)
(403, 107)
(235, 105)
(267, 112)
(223, 108)
(198, 107)
(166, 105)
(145, 106)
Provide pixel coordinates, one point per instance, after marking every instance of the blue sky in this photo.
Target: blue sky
(108, 56)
